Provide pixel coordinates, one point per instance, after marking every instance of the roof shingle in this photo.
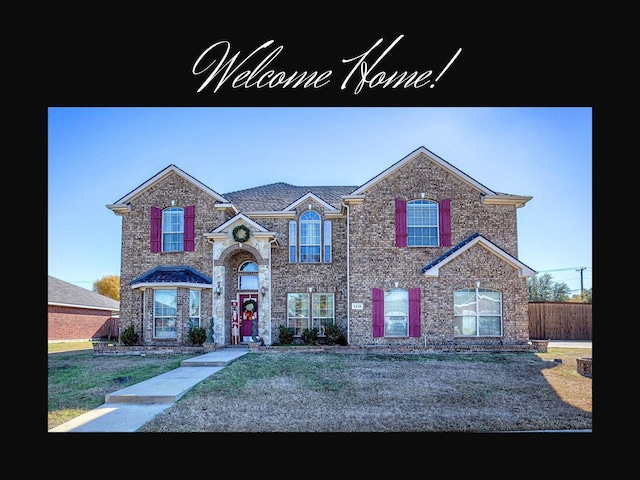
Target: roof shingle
(65, 293)
(277, 196)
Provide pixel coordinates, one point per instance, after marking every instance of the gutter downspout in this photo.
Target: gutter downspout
(348, 277)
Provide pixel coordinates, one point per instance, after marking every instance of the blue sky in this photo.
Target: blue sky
(98, 154)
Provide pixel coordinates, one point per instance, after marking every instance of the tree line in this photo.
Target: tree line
(542, 288)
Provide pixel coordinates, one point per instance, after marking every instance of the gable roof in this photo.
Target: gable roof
(66, 294)
(172, 276)
(488, 195)
(432, 269)
(120, 205)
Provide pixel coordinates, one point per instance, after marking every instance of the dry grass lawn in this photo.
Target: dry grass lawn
(338, 392)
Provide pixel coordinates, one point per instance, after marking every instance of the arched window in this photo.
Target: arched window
(310, 237)
(477, 312)
(248, 276)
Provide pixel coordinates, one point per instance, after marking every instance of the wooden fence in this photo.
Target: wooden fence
(560, 321)
(109, 330)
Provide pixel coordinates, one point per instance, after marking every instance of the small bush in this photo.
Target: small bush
(334, 335)
(129, 336)
(197, 336)
(310, 336)
(286, 335)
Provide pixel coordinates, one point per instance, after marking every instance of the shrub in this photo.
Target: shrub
(286, 335)
(197, 335)
(334, 335)
(310, 336)
(129, 336)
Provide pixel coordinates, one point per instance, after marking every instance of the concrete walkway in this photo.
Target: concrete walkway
(128, 409)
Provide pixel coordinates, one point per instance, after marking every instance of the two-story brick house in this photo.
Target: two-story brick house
(420, 254)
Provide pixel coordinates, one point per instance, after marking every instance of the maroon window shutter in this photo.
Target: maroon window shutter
(189, 228)
(377, 295)
(156, 230)
(414, 312)
(401, 223)
(444, 213)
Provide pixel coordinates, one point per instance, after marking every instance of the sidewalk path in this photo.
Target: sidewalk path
(128, 409)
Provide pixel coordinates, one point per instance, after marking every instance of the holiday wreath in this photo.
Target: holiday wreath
(249, 309)
(241, 233)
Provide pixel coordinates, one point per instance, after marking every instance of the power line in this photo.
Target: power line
(565, 269)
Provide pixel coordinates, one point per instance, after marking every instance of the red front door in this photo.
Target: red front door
(248, 313)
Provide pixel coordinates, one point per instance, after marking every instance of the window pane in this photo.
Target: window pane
(323, 311)
(309, 254)
(248, 282)
(249, 267)
(422, 223)
(172, 229)
(298, 312)
(396, 313)
(464, 302)
(194, 308)
(488, 302)
(477, 312)
(292, 241)
(310, 237)
(165, 313)
(327, 241)
(489, 326)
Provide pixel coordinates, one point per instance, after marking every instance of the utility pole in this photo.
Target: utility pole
(581, 269)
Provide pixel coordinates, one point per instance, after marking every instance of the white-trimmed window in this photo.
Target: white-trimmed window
(165, 313)
(248, 276)
(396, 313)
(477, 312)
(310, 240)
(301, 316)
(322, 310)
(422, 223)
(327, 241)
(194, 308)
(293, 244)
(310, 237)
(173, 229)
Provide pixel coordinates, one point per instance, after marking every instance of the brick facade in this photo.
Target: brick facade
(364, 256)
(70, 323)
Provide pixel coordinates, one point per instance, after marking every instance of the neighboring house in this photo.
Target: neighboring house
(76, 313)
(420, 254)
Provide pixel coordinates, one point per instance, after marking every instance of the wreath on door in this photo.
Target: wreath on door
(241, 233)
(249, 309)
